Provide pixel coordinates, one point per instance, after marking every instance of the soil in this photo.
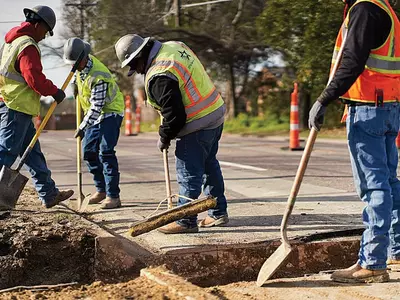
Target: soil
(43, 246)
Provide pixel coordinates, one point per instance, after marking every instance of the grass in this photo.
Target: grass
(258, 126)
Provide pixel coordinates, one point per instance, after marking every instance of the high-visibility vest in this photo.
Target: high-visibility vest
(114, 98)
(13, 88)
(382, 69)
(199, 95)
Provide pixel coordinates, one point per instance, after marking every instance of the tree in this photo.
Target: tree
(304, 32)
(223, 35)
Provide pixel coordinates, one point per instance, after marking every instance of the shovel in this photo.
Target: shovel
(280, 255)
(81, 197)
(11, 181)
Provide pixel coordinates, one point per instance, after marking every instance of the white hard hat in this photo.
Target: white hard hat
(128, 47)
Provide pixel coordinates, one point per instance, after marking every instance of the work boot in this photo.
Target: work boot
(111, 203)
(357, 274)
(61, 196)
(393, 264)
(97, 197)
(173, 228)
(211, 221)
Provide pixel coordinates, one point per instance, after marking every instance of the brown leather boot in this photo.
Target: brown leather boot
(393, 265)
(211, 221)
(173, 228)
(111, 203)
(61, 196)
(97, 197)
(356, 274)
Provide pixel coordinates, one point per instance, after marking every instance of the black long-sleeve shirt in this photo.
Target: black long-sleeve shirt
(369, 27)
(165, 91)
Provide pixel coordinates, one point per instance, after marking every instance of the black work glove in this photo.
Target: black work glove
(80, 133)
(316, 116)
(163, 144)
(59, 96)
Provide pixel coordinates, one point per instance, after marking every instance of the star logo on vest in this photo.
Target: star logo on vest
(184, 54)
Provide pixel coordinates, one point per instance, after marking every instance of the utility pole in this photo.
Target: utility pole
(82, 6)
(177, 6)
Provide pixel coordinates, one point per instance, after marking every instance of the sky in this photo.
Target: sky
(11, 15)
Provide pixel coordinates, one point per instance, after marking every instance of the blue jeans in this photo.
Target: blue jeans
(99, 154)
(197, 168)
(372, 133)
(16, 132)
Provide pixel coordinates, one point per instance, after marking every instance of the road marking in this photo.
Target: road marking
(247, 167)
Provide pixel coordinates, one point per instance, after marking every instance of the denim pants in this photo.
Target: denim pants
(372, 133)
(99, 154)
(16, 132)
(197, 168)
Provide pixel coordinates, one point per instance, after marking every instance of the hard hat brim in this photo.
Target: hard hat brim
(134, 54)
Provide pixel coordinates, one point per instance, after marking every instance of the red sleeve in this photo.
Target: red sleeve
(31, 69)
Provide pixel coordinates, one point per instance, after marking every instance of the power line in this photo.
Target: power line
(82, 8)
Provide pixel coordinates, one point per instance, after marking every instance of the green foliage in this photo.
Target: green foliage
(246, 124)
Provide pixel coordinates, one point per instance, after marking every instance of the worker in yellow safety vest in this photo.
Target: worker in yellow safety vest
(368, 82)
(178, 86)
(103, 106)
(22, 83)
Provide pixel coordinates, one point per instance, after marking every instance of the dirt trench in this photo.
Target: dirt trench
(39, 245)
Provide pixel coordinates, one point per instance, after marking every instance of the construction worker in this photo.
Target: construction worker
(367, 81)
(177, 85)
(21, 85)
(103, 106)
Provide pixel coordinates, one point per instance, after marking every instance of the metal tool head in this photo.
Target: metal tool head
(273, 263)
(11, 185)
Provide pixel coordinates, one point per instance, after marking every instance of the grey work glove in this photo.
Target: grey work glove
(79, 133)
(163, 145)
(316, 116)
(59, 96)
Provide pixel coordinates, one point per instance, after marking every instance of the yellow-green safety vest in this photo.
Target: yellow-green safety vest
(199, 95)
(114, 98)
(13, 88)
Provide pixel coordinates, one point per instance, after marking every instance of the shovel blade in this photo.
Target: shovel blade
(272, 264)
(11, 185)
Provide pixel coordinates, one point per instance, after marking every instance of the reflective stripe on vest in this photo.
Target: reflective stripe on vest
(198, 103)
(382, 69)
(199, 95)
(4, 71)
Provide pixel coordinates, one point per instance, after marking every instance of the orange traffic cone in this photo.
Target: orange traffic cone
(137, 118)
(294, 142)
(128, 116)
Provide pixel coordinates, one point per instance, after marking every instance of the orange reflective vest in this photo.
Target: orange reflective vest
(382, 69)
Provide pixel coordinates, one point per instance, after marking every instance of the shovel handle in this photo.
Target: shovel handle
(79, 153)
(297, 182)
(167, 178)
(48, 114)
